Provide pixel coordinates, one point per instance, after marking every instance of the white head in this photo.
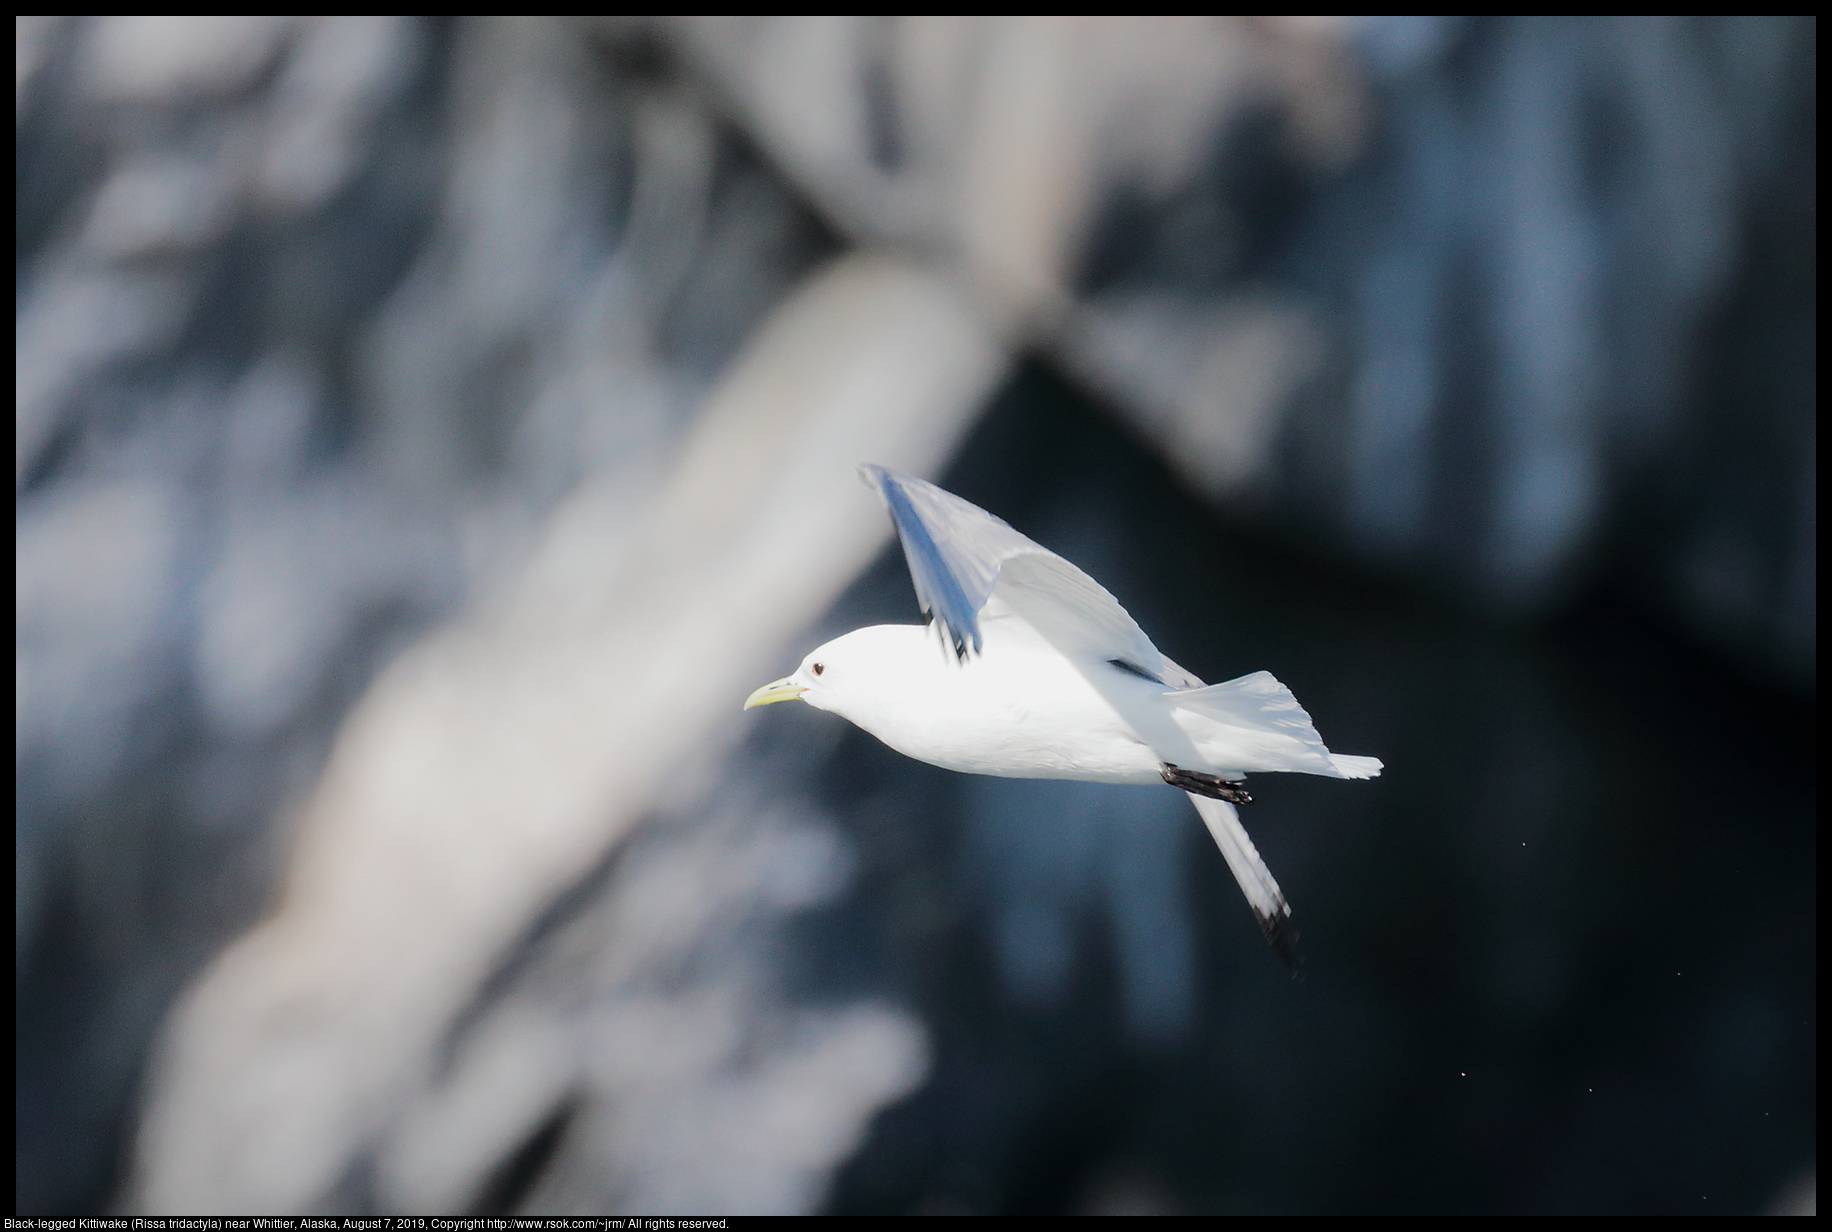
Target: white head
(853, 676)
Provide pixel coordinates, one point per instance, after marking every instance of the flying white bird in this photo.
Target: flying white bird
(1039, 673)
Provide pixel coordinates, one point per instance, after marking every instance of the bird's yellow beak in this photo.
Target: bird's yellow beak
(784, 690)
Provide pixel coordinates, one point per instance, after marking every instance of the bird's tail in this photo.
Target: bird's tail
(1254, 723)
(1356, 767)
(1255, 878)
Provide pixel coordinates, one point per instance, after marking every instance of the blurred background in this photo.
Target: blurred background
(429, 431)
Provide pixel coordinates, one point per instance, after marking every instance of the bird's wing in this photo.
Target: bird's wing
(960, 555)
(1255, 879)
(1177, 676)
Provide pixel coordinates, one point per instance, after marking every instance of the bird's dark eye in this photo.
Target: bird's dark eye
(818, 669)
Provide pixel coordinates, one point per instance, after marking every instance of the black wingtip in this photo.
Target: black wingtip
(1283, 936)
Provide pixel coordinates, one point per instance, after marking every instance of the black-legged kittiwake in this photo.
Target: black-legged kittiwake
(1039, 673)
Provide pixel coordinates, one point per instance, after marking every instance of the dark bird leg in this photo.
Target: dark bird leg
(1211, 785)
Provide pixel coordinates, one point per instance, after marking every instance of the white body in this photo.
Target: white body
(1021, 712)
(1021, 709)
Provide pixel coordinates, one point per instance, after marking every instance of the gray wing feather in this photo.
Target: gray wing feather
(954, 550)
(959, 556)
(1256, 882)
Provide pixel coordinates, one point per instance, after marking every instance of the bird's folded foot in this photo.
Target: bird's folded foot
(1211, 785)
